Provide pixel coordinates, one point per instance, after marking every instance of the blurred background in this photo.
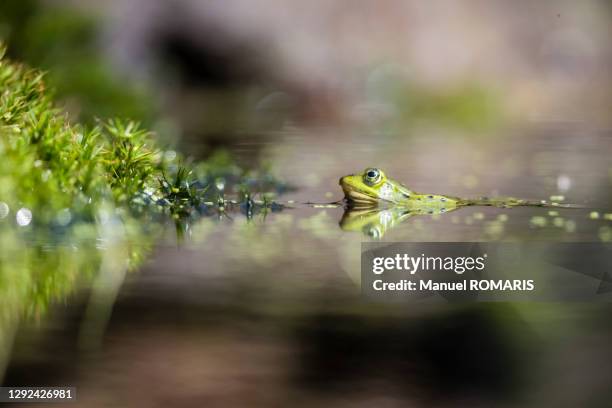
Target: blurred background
(467, 99)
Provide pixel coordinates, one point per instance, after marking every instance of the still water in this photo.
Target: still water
(268, 309)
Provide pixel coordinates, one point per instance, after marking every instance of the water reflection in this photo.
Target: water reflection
(375, 222)
(270, 287)
(42, 268)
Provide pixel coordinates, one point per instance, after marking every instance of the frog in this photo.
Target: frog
(372, 188)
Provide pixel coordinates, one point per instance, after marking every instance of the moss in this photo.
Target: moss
(50, 164)
(67, 198)
(76, 199)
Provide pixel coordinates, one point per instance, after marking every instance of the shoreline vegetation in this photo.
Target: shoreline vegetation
(53, 166)
(67, 204)
(82, 205)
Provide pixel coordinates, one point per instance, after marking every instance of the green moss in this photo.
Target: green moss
(67, 193)
(82, 200)
(49, 164)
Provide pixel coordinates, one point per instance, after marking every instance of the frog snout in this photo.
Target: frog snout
(346, 180)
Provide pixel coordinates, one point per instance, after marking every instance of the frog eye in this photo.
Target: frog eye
(372, 176)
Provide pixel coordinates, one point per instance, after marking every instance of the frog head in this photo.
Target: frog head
(372, 187)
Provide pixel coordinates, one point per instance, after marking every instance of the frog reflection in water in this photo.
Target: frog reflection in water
(376, 203)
